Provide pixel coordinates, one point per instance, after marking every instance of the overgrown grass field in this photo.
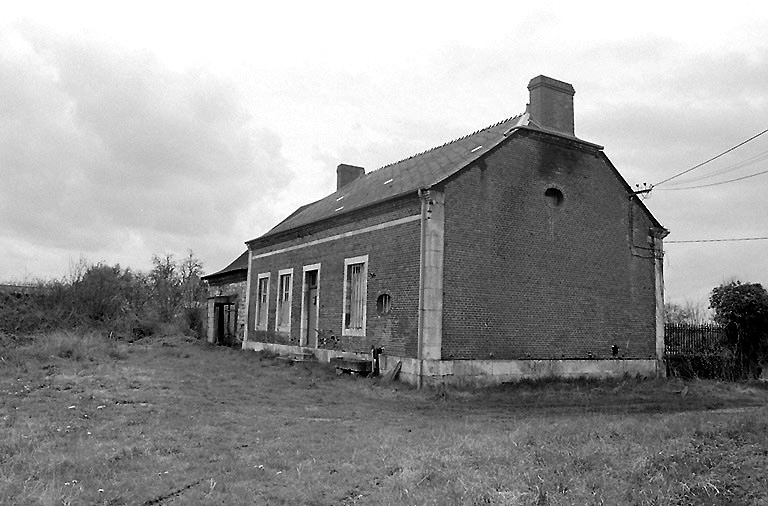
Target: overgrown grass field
(87, 420)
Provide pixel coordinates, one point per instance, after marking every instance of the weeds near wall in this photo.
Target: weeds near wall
(724, 366)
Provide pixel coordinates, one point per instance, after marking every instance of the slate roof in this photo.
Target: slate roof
(239, 264)
(418, 171)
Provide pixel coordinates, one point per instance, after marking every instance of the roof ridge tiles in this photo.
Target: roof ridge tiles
(446, 143)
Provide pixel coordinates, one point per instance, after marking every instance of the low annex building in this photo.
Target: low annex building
(516, 251)
(226, 311)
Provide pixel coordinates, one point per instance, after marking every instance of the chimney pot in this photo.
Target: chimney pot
(345, 174)
(551, 104)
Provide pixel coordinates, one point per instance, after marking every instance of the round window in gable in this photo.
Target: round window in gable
(383, 304)
(554, 197)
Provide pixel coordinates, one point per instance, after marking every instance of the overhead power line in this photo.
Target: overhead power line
(719, 240)
(717, 183)
(713, 158)
(728, 168)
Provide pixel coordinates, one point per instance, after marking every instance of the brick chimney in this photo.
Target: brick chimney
(551, 104)
(345, 174)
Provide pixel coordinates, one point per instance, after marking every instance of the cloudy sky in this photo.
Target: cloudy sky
(137, 128)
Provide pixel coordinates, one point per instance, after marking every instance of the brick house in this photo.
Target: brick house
(515, 251)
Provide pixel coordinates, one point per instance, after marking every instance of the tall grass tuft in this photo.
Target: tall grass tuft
(73, 345)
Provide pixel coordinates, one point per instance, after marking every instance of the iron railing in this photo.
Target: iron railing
(699, 340)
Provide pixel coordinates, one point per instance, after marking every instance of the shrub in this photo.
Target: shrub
(742, 308)
(194, 320)
(110, 298)
(144, 327)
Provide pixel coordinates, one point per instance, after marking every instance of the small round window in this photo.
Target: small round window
(554, 197)
(383, 304)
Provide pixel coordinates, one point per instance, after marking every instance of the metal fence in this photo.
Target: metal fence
(698, 340)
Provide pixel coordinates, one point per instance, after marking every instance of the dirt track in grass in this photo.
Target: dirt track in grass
(172, 421)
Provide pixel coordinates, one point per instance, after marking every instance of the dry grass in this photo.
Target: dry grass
(86, 420)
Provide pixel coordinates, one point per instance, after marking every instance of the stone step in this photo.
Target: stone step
(298, 357)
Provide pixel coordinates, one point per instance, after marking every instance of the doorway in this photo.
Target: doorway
(225, 323)
(310, 306)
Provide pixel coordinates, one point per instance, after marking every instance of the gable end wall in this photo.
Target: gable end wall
(525, 280)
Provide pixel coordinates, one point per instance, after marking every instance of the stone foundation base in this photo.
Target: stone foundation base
(482, 372)
(321, 354)
(495, 372)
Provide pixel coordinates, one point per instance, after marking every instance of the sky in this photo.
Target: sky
(135, 129)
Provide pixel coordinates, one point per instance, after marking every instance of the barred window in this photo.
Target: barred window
(355, 295)
(383, 304)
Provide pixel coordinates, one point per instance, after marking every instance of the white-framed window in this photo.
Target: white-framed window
(262, 301)
(284, 293)
(355, 296)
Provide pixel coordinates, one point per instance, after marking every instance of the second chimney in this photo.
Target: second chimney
(551, 104)
(345, 174)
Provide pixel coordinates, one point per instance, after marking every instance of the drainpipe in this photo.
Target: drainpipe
(657, 243)
(422, 261)
(656, 237)
(248, 280)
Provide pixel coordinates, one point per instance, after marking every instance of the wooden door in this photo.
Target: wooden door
(310, 303)
(219, 322)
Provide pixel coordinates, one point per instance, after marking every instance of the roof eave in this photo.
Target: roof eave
(220, 274)
(553, 133)
(269, 235)
(237, 265)
(631, 194)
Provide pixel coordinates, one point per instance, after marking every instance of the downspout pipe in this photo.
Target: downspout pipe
(248, 280)
(422, 261)
(657, 238)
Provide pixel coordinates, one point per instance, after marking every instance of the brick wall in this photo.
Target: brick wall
(393, 268)
(526, 279)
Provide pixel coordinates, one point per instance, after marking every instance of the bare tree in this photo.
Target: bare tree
(192, 286)
(689, 313)
(166, 286)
